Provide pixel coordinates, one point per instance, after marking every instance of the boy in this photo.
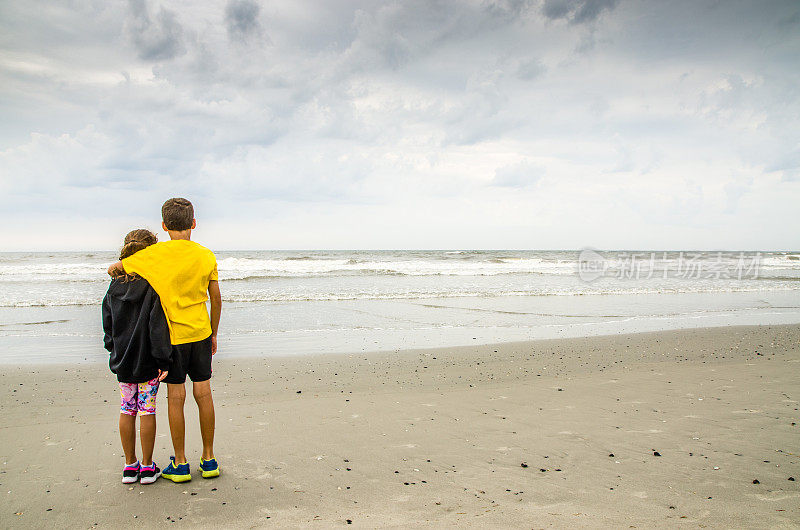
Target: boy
(182, 272)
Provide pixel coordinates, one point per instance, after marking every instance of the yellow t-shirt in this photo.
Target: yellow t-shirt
(179, 271)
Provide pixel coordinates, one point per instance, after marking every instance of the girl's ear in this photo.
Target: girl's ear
(194, 224)
(164, 226)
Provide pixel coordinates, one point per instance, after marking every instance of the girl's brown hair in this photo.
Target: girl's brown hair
(136, 240)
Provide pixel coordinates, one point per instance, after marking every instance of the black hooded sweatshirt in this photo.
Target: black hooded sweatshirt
(136, 331)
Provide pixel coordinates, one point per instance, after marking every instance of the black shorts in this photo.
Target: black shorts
(192, 359)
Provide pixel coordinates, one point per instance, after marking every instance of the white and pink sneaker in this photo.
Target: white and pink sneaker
(130, 473)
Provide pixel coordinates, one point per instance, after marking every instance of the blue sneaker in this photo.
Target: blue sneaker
(209, 468)
(177, 472)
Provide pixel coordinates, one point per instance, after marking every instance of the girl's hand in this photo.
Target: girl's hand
(162, 375)
(116, 269)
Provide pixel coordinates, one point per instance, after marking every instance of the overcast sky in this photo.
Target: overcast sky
(406, 124)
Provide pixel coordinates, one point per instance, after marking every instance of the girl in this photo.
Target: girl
(137, 336)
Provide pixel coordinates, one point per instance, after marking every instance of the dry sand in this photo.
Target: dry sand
(555, 433)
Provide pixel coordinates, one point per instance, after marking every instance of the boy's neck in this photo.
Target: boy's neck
(180, 234)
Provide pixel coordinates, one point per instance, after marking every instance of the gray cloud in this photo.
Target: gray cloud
(156, 38)
(241, 19)
(355, 105)
(510, 10)
(530, 69)
(577, 11)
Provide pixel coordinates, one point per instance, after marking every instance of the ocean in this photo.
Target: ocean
(296, 302)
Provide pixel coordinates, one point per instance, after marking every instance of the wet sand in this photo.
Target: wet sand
(694, 428)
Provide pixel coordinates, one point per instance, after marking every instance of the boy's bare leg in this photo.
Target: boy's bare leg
(205, 406)
(147, 437)
(127, 434)
(176, 397)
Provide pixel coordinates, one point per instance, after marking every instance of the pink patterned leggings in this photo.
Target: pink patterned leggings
(139, 397)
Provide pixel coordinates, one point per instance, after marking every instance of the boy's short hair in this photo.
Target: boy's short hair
(177, 214)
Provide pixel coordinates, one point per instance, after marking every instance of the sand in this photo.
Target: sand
(552, 433)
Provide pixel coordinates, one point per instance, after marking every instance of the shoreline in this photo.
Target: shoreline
(455, 423)
(72, 337)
